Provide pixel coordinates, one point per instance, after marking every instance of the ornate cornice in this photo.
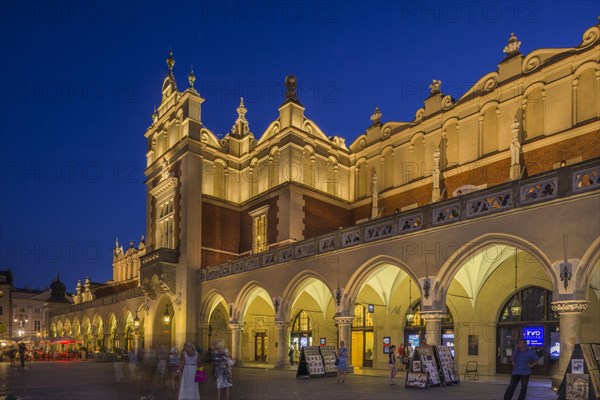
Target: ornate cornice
(163, 187)
(433, 315)
(344, 320)
(282, 324)
(567, 306)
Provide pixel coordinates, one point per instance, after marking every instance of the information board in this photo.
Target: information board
(425, 354)
(582, 377)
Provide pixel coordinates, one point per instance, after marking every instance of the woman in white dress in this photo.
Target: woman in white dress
(188, 363)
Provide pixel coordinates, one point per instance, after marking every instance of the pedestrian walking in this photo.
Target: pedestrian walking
(291, 354)
(392, 363)
(12, 354)
(342, 362)
(523, 359)
(22, 354)
(223, 364)
(189, 361)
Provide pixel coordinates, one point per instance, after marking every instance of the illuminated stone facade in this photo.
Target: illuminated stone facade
(247, 233)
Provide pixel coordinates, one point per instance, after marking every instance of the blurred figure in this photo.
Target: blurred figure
(223, 364)
(174, 367)
(188, 362)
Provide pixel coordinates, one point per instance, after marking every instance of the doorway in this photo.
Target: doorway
(260, 347)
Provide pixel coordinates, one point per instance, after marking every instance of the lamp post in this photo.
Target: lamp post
(515, 307)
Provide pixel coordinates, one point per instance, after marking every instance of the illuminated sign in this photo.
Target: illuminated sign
(371, 308)
(534, 335)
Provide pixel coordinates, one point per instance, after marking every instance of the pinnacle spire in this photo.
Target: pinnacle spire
(170, 62)
(191, 77)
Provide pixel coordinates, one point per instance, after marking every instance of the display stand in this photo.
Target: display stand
(311, 363)
(582, 377)
(329, 355)
(424, 361)
(448, 372)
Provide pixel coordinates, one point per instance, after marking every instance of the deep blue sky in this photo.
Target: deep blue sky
(79, 81)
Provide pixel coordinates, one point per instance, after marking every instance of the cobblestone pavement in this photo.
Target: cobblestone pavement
(91, 380)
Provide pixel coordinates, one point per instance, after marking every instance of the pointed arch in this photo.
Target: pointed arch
(297, 285)
(456, 261)
(364, 272)
(589, 262)
(246, 296)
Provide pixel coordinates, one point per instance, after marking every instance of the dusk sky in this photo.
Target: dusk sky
(78, 82)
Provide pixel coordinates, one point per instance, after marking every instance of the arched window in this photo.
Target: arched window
(361, 179)
(302, 330)
(527, 311)
(534, 113)
(587, 95)
(363, 340)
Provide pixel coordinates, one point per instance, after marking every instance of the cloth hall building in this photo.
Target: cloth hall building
(472, 222)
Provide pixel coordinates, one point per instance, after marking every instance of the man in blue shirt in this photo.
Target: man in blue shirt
(523, 359)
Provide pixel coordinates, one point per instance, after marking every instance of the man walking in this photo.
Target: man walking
(22, 354)
(523, 360)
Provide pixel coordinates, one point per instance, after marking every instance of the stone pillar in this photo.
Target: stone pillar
(236, 342)
(433, 326)
(344, 334)
(106, 341)
(282, 342)
(570, 332)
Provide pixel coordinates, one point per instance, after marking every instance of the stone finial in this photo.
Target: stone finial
(376, 117)
(170, 61)
(291, 88)
(191, 77)
(154, 115)
(242, 110)
(512, 46)
(142, 239)
(435, 86)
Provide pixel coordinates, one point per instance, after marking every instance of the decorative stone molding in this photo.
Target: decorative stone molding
(590, 37)
(344, 320)
(567, 306)
(282, 324)
(236, 326)
(164, 188)
(433, 315)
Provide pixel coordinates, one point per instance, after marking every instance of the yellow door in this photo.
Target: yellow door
(357, 348)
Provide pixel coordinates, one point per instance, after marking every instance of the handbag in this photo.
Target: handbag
(230, 362)
(200, 375)
(337, 361)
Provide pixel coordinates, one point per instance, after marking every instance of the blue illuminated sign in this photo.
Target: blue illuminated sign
(534, 335)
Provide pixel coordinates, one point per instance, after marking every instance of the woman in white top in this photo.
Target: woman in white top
(188, 363)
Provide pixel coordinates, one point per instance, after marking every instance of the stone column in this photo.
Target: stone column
(344, 334)
(106, 341)
(236, 342)
(282, 342)
(570, 332)
(433, 326)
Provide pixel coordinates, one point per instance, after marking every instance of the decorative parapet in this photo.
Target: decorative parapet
(115, 298)
(282, 324)
(552, 185)
(570, 306)
(586, 179)
(489, 203)
(445, 214)
(539, 191)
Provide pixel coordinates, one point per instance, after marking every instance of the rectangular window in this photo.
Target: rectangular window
(36, 326)
(22, 309)
(259, 229)
(1, 310)
(37, 310)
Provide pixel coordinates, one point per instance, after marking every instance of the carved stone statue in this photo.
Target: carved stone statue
(374, 195)
(290, 88)
(436, 168)
(165, 169)
(515, 145)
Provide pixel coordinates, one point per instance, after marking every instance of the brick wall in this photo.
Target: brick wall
(220, 231)
(541, 160)
(321, 217)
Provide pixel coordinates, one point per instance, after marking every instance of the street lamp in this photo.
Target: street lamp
(167, 316)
